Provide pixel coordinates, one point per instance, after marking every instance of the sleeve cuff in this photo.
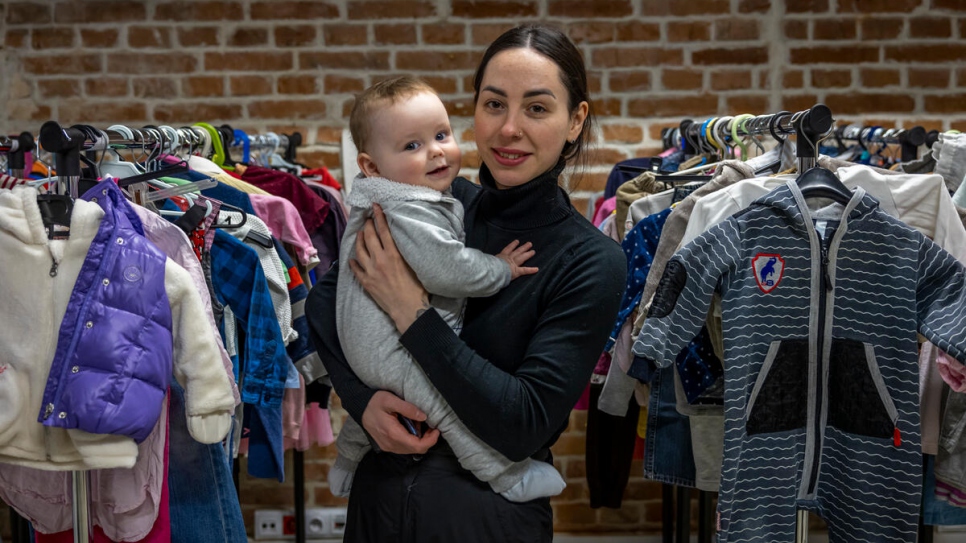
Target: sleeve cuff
(427, 337)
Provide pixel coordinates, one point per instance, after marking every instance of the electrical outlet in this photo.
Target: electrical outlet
(324, 522)
(270, 524)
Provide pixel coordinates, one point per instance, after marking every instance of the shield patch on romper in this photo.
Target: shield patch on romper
(768, 270)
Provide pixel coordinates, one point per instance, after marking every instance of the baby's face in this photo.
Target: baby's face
(412, 143)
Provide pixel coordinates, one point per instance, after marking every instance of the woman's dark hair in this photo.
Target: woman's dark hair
(556, 46)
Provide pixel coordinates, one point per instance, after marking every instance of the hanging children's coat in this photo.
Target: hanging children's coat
(821, 380)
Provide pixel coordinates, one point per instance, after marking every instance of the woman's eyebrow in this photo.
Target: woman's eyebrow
(528, 94)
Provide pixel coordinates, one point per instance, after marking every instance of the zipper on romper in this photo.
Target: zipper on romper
(826, 287)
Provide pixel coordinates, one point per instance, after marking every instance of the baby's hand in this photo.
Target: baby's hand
(515, 255)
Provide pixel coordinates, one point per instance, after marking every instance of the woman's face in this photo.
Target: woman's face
(522, 119)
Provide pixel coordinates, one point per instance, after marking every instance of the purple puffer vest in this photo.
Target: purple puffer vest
(114, 352)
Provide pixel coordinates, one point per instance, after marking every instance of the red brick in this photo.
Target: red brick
(444, 33)
(796, 29)
(951, 5)
(249, 85)
(375, 60)
(485, 33)
(336, 84)
(97, 112)
(961, 78)
(581, 9)
(63, 64)
(106, 86)
(436, 60)
(591, 32)
(328, 134)
(736, 30)
(210, 112)
(754, 6)
(394, 34)
(595, 82)
(194, 87)
(297, 84)
(91, 38)
(688, 31)
(459, 108)
(851, 54)
(793, 79)
(345, 34)
(637, 31)
(20, 13)
(946, 104)
(806, 6)
(946, 52)
(929, 78)
(52, 38)
(926, 124)
(58, 88)
(248, 61)
(747, 55)
(149, 36)
(634, 57)
(730, 80)
(151, 63)
(629, 81)
(607, 107)
(751, 103)
(443, 84)
(877, 6)
(798, 102)
(294, 36)
(154, 87)
(28, 110)
(958, 125)
(695, 7)
(199, 11)
(682, 79)
(488, 9)
(855, 103)
(823, 79)
(294, 10)
(962, 27)
(15, 39)
(930, 27)
(287, 109)
(834, 29)
(99, 12)
(576, 513)
(195, 36)
(621, 133)
(875, 28)
(248, 37)
(874, 77)
(672, 106)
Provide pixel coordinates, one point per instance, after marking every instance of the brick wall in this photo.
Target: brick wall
(262, 65)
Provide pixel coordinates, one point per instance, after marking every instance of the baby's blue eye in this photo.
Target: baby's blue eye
(441, 136)
(411, 146)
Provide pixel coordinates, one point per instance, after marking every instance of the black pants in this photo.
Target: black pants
(398, 499)
(610, 451)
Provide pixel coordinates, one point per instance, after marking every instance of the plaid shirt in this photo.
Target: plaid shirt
(301, 350)
(241, 285)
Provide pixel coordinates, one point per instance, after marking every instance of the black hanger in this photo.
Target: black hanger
(55, 209)
(181, 167)
(227, 135)
(257, 237)
(819, 182)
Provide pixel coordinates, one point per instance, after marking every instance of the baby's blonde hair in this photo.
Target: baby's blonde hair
(368, 102)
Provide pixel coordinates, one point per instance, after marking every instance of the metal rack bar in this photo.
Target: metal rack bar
(909, 139)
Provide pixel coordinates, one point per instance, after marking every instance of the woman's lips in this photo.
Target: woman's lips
(509, 157)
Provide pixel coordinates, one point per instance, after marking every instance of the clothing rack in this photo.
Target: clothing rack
(909, 139)
(16, 147)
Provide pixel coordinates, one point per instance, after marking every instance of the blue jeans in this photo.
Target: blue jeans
(937, 512)
(203, 502)
(668, 457)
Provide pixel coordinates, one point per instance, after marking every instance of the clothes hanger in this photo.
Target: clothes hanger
(241, 138)
(819, 182)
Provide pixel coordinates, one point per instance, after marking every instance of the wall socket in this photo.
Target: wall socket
(320, 523)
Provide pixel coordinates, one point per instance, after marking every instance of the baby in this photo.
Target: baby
(409, 158)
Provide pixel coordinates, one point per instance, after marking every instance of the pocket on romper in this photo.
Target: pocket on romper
(859, 402)
(779, 400)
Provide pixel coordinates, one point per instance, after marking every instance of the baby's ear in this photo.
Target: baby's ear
(367, 165)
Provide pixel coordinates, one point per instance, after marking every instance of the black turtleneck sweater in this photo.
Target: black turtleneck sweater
(525, 354)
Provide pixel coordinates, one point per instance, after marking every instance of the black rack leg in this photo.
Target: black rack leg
(667, 513)
(684, 515)
(706, 524)
(298, 458)
(925, 532)
(19, 528)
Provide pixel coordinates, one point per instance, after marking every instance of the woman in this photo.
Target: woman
(524, 355)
